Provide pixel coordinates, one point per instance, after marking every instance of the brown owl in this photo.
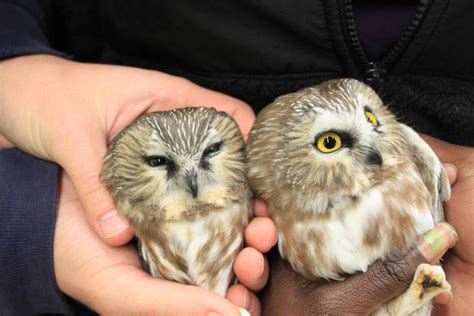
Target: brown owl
(179, 177)
(345, 182)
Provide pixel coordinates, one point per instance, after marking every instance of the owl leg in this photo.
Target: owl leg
(429, 281)
(219, 283)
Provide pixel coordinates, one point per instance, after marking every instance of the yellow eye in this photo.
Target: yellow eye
(329, 142)
(371, 118)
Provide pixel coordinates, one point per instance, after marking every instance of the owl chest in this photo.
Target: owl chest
(355, 234)
(199, 252)
(191, 238)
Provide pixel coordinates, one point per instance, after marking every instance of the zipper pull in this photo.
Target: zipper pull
(375, 76)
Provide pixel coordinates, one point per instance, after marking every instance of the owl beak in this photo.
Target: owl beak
(374, 157)
(191, 181)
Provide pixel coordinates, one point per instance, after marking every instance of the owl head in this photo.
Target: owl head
(172, 165)
(336, 138)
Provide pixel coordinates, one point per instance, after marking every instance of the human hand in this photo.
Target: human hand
(289, 293)
(4, 143)
(68, 112)
(251, 266)
(459, 263)
(110, 280)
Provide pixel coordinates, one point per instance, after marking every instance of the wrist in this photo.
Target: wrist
(26, 84)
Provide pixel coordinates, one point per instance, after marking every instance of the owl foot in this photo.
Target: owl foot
(429, 281)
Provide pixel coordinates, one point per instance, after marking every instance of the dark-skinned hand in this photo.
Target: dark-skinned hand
(289, 293)
(459, 210)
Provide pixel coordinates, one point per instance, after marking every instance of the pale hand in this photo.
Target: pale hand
(68, 112)
(110, 280)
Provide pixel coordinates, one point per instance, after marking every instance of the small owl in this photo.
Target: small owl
(179, 177)
(344, 181)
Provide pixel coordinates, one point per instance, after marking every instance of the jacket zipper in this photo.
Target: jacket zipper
(374, 72)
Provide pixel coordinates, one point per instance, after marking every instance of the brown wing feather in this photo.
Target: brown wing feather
(431, 170)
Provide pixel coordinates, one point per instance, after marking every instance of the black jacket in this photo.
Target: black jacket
(257, 50)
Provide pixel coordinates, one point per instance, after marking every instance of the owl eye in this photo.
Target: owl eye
(371, 118)
(156, 161)
(212, 149)
(329, 142)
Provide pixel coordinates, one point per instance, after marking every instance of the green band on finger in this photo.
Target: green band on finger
(435, 239)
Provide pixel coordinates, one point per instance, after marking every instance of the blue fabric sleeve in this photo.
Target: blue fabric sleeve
(22, 29)
(28, 193)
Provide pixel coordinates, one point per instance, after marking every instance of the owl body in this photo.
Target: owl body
(344, 181)
(200, 252)
(179, 177)
(355, 230)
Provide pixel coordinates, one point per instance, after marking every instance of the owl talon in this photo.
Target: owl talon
(429, 281)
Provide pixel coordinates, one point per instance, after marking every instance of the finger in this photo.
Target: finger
(5, 143)
(240, 111)
(251, 268)
(148, 296)
(386, 279)
(239, 295)
(261, 234)
(452, 172)
(191, 94)
(444, 298)
(446, 152)
(112, 227)
(434, 243)
(261, 208)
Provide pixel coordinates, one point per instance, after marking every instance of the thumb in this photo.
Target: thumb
(112, 227)
(386, 279)
(147, 296)
(241, 296)
(193, 95)
(446, 152)
(4, 143)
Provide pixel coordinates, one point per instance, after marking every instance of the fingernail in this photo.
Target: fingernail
(451, 166)
(275, 242)
(436, 241)
(112, 223)
(262, 264)
(450, 232)
(247, 298)
(213, 314)
(444, 298)
(450, 297)
(260, 208)
(454, 239)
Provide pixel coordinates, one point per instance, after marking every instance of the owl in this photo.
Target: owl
(345, 182)
(179, 177)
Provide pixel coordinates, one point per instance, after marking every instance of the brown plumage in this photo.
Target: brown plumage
(344, 181)
(179, 177)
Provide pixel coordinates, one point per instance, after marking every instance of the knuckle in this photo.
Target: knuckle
(393, 271)
(319, 305)
(397, 269)
(182, 82)
(327, 303)
(185, 81)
